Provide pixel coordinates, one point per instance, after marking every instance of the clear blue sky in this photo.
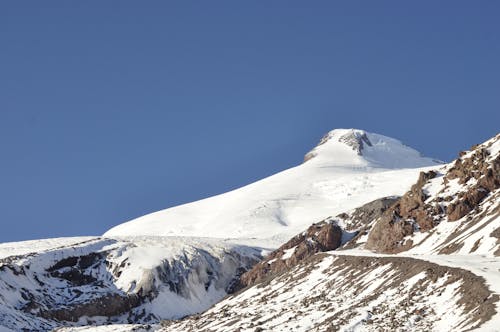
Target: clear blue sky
(113, 109)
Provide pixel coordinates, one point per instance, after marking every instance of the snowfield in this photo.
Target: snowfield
(349, 168)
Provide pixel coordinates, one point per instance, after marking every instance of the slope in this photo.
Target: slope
(348, 168)
(436, 263)
(90, 280)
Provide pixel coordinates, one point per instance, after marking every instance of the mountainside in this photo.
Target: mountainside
(446, 276)
(453, 209)
(348, 168)
(352, 293)
(365, 235)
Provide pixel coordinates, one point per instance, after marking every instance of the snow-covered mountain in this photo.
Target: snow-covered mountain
(428, 261)
(348, 168)
(368, 235)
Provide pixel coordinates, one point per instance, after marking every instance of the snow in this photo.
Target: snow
(434, 186)
(288, 253)
(26, 247)
(358, 148)
(112, 328)
(276, 208)
(487, 267)
(494, 149)
(200, 270)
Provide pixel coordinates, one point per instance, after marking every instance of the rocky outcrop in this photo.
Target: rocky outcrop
(360, 221)
(409, 212)
(363, 216)
(323, 236)
(496, 234)
(356, 140)
(485, 174)
(109, 305)
(462, 188)
(73, 269)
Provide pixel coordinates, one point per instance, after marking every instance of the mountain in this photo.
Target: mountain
(429, 260)
(348, 168)
(365, 235)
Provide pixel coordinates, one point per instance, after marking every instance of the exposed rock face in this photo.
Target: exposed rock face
(108, 305)
(400, 220)
(355, 140)
(319, 237)
(364, 215)
(486, 174)
(360, 221)
(461, 189)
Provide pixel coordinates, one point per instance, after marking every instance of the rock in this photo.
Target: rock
(361, 219)
(320, 237)
(109, 305)
(479, 167)
(412, 212)
(400, 220)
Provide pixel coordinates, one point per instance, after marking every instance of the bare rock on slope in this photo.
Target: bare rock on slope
(400, 220)
(319, 237)
(465, 184)
(486, 175)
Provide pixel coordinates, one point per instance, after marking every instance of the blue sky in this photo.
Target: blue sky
(110, 110)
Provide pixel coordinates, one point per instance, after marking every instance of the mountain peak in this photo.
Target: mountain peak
(356, 147)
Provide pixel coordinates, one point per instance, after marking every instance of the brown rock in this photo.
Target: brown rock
(319, 237)
(412, 212)
(400, 220)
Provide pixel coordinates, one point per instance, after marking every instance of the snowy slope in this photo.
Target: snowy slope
(348, 168)
(90, 280)
(437, 265)
(352, 293)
